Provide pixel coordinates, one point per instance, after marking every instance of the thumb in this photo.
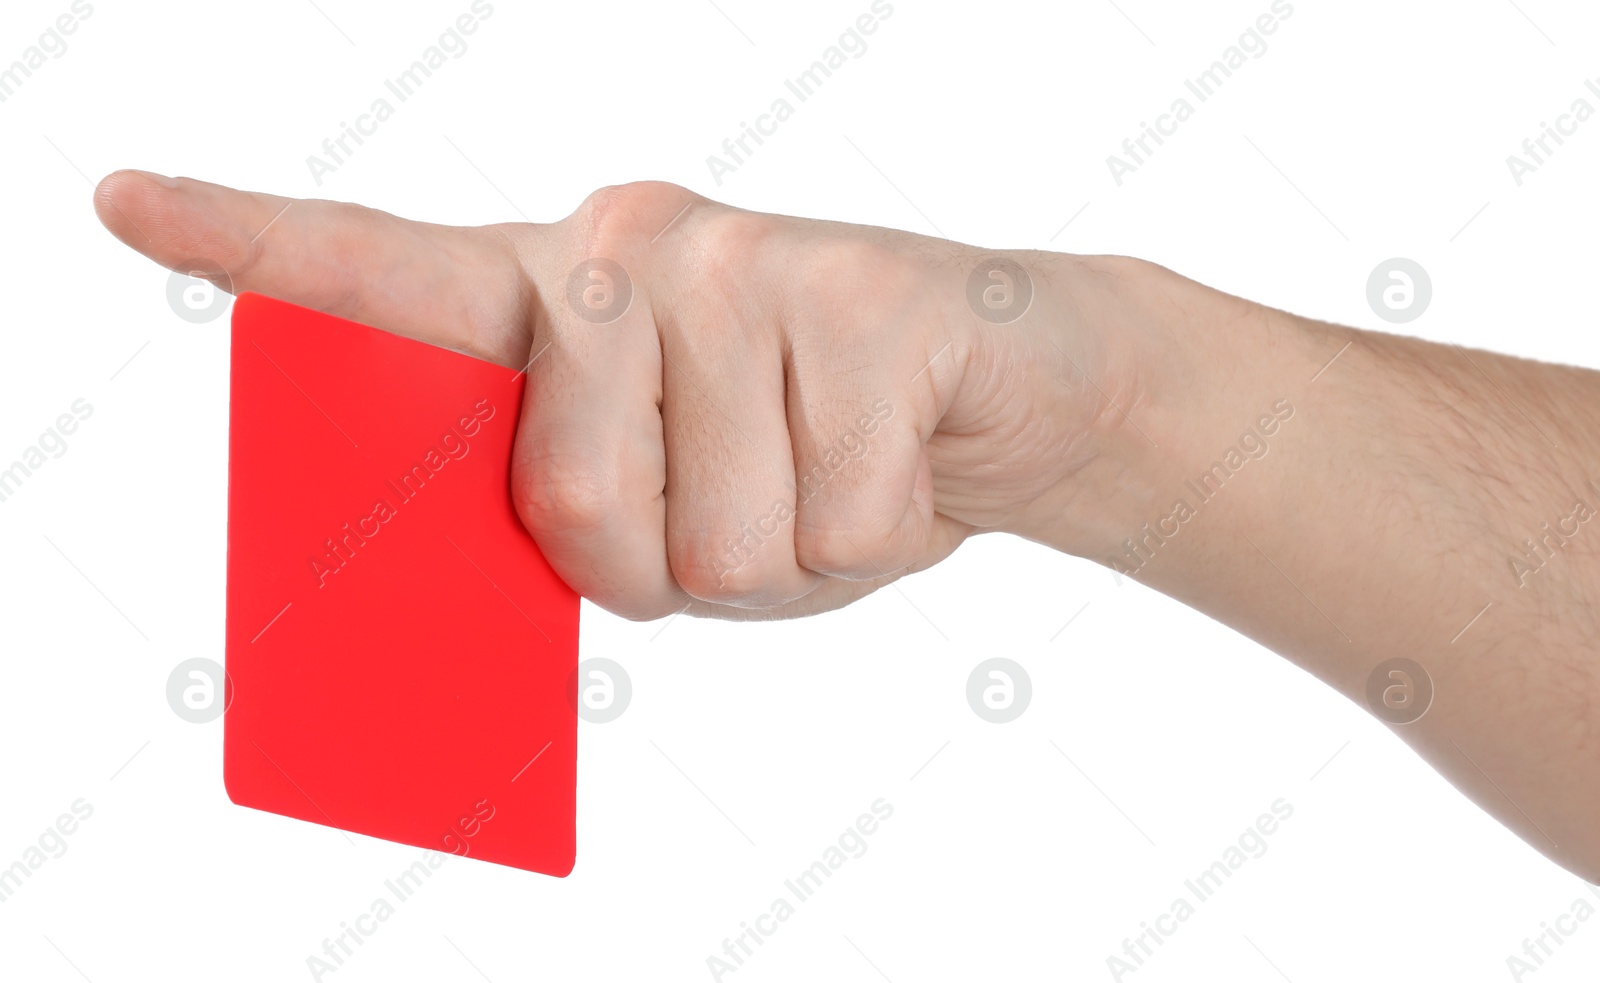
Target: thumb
(460, 288)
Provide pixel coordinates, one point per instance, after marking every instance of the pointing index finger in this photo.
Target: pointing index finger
(460, 288)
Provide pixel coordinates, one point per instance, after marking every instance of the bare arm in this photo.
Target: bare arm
(781, 415)
(1410, 501)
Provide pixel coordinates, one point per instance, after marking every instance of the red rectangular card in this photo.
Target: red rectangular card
(401, 660)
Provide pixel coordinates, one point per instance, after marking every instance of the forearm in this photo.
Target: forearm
(1346, 498)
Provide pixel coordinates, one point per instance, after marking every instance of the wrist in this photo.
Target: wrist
(1164, 379)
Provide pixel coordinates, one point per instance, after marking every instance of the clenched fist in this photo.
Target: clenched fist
(741, 414)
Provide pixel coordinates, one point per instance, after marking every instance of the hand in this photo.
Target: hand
(785, 415)
(744, 415)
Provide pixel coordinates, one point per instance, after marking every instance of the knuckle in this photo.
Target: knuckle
(723, 252)
(618, 215)
(710, 567)
(870, 547)
(728, 236)
(554, 496)
(832, 550)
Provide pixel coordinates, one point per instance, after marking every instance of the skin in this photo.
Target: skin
(1379, 508)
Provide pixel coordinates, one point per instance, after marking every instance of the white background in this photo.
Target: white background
(1023, 851)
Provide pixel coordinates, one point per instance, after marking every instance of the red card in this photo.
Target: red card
(401, 660)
